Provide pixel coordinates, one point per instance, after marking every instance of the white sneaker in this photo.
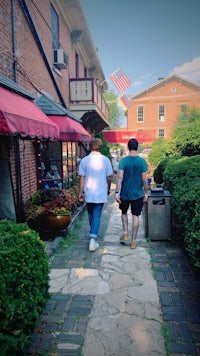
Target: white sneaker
(93, 245)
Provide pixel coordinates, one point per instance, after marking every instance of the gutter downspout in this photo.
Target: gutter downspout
(19, 185)
(18, 161)
(34, 31)
(13, 41)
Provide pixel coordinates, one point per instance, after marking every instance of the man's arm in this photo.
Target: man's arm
(145, 186)
(120, 175)
(81, 189)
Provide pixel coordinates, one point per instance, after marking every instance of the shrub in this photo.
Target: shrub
(192, 234)
(159, 171)
(24, 283)
(182, 180)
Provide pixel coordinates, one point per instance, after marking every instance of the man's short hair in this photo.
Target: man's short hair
(133, 144)
(95, 144)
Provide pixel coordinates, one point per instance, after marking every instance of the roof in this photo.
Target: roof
(21, 116)
(74, 15)
(7, 83)
(50, 107)
(162, 82)
(70, 130)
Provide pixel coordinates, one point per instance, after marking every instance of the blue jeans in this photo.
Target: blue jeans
(94, 215)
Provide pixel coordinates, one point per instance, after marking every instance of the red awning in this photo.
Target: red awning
(124, 136)
(20, 116)
(70, 130)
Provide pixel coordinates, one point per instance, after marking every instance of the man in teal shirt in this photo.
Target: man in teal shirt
(131, 189)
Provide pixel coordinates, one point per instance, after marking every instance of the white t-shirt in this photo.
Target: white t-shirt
(95, 168)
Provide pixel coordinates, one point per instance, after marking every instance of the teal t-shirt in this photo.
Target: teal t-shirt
(133, 167)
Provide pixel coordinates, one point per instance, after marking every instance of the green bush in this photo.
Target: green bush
(182, 179)
(159, 171)
(24, 282)
(105, 149)
(192, 235)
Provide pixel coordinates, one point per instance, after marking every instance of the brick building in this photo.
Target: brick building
(52, 85)
(155, 111)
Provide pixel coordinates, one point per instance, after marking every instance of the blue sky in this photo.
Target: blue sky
(148, 39)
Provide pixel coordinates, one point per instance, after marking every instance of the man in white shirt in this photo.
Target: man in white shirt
(96, 173)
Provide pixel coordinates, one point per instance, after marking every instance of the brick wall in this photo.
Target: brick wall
(172, 95)
(27, 168)
(31, 71)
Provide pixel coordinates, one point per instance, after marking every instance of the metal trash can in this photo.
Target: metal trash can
(158, 214)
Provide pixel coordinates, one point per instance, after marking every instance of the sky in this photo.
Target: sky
(147, 39)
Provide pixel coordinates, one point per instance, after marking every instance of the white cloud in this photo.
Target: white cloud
(144, 80)
(146, 75)
(189, 70)
(137, 83)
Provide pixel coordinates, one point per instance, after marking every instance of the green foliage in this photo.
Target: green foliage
(115, 146)
(187, 134)
(181, 178)
(24, 285)
(105, 149)
(51, 201)
(160, 150)
(192, 233)
(115, 113)
(158, 173)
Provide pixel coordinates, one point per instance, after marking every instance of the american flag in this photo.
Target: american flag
(120, 80)
(124, 101)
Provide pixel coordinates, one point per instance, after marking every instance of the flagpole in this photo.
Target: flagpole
(105, 80)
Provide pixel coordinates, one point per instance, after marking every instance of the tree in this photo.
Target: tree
(185, 142)
(115, 112)
(187, 134)
(105, 149)
(160, 150)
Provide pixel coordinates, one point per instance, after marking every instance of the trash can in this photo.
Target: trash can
(158, 214)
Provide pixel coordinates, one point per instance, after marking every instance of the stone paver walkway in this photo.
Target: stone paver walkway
(115, 301)
(179, 290)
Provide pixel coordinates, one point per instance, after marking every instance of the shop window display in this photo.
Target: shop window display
(58, 164)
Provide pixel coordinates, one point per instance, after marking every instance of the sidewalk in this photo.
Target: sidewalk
(111, 303)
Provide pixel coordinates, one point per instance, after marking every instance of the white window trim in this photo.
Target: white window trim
(164, 131)
(163, 116)
(140, 121)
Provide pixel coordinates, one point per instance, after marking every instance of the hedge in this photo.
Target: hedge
(182, 179)
(24, 283)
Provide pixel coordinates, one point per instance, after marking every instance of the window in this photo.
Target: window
(71, 161)
(58, 164)
(161, 133)
(183, 112)
(50, 164)
(140, 117)
(54, 28)
(161, 113)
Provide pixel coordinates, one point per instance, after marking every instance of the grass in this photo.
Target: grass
(166, 339)
(71, 236)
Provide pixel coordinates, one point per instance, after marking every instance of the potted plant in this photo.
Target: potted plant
(51, 208)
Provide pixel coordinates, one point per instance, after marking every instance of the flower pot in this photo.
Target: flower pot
(57, 222)
(37, 224)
